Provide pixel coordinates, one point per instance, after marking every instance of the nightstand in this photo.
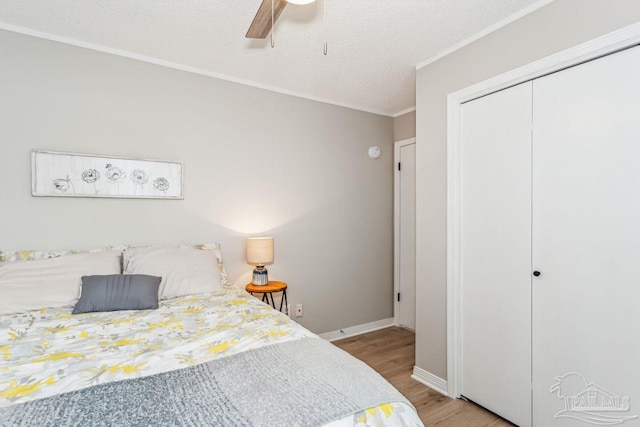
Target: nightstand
(268, 290)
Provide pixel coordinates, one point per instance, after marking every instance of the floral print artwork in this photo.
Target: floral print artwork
(67, 174)
(161, 184)
(114, 174)
(63, 185)
(90, 176)
(139, 177)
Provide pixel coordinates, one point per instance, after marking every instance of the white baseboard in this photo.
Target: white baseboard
(357, 330)
(432, 381)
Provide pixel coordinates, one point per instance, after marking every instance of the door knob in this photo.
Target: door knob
(536, 273)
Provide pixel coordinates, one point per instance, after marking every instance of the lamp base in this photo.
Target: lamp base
(260, 276)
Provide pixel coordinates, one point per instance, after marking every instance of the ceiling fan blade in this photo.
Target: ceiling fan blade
(261, 25)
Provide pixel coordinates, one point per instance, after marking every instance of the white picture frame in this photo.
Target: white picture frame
(60, 174)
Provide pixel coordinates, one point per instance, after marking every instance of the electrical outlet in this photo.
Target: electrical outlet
(298, 310)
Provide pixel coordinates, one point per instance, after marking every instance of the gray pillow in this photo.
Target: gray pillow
(118, 292)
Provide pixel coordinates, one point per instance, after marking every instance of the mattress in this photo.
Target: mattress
(50, 352)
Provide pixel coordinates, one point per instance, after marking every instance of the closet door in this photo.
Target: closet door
(496, 252)
(586, 243)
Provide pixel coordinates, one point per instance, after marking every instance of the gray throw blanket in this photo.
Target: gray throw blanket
(306, 382)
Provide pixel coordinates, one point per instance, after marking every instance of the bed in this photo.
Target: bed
(208, 358)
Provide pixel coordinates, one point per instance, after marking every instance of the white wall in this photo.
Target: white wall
(550, 29)
(256, 163)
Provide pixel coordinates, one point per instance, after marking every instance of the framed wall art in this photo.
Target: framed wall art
(88, 175)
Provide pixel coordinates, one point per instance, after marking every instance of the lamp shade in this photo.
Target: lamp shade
(260, 250)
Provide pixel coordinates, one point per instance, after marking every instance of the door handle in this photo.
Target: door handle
(536, 273)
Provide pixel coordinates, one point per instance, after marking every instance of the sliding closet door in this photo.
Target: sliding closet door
(586, 243)
(496, 252)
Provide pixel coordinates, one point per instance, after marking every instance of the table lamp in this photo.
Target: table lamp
(260, 253)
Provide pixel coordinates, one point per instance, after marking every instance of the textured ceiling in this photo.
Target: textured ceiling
(374, 45)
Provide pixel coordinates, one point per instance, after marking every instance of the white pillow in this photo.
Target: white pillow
(55, 282)
(184, 271)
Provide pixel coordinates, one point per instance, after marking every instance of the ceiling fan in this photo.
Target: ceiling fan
(262, 22)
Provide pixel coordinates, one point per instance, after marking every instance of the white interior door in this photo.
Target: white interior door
(496, 252)
(406, 245)
(586, 228)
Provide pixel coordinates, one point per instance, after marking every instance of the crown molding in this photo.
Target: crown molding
(403, 112)
(508, 20)
(182, 67)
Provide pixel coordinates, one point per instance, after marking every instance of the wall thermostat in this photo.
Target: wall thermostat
(375, 152)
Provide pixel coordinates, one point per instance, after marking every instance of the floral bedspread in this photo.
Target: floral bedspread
(50, 351)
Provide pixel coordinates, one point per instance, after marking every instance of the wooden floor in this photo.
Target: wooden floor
(391, 352)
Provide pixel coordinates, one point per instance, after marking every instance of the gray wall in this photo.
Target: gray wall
(550, 29)
(256, 163)
(404, 126)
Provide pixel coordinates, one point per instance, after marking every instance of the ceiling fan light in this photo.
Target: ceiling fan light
(299, 2)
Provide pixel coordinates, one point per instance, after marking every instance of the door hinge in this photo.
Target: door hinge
(398, 296)
(398, 165)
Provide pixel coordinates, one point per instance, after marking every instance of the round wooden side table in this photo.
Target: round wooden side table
(268, 290)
